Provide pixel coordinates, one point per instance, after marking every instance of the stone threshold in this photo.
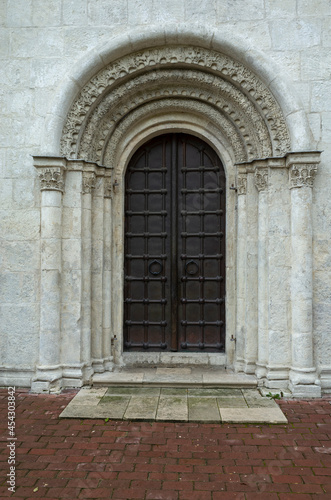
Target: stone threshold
(174, 404)
(194, 376)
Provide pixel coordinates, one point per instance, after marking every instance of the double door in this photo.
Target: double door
(174, 294)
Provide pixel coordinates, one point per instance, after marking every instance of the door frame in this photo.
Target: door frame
(173, 331)
(142, 133)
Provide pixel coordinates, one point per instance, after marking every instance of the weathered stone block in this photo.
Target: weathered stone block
(297, 34)
(102, 12)
(74, 13)
(140, 12)
(19, 13)
(20, 225)
(46, 12)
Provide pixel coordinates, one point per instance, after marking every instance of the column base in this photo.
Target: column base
(305, 391)
(109, 364)
(250, 367)
(261, 371)
(239, 366)
(77, 375)
(98, 366)
(304, 382)
(48, 379)
(277, 377)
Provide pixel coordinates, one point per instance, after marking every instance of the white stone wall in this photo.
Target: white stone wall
(42, 40)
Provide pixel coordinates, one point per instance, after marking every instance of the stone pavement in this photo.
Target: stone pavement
(90, 458)
(195, 404)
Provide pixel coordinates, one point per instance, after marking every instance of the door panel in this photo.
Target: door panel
(175, 247)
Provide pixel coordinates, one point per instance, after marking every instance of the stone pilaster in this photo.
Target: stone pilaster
(261, 183)
(49, 371)
(241, 268)
(303, 375)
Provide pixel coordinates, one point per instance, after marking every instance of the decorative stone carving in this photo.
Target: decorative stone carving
(89, 181)
(51, 179)
(173, 106)
(261, 179)
(108, 188)
(302, 175)
(164, 83)
(216, 64)
(242, 183)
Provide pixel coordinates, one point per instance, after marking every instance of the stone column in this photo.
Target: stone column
(49, 372)
(261, 183)
(106, 281)
(303, 376)
(97, 273)
(241, 268)
(251, 320)
(279, 269)
(88, 185)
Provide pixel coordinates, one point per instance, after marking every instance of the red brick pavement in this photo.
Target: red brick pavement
(93, 459)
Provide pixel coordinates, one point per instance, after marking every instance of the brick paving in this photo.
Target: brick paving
(82, 459)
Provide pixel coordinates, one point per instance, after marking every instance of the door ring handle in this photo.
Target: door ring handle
(193, 271)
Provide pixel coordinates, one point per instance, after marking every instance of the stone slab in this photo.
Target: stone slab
(173, 391)
(229, 380)
(253, 415)
(215, 392)
(203, 409)
(104, 411)
(172, 408)
(142, 408)
(235, 402)
(109, 378)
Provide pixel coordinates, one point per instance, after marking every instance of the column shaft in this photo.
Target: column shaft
(241, 272)
(303, 376)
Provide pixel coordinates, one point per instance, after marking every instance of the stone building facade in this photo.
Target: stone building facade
(84, 85)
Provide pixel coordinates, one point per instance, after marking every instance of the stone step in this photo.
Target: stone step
(175, 377)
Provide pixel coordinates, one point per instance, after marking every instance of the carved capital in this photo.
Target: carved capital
(242, 183)
(51, 179)
(108, 188)
(302, 175)
(261, 179)
(89, 180)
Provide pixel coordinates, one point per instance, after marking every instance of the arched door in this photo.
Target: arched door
(175, 247)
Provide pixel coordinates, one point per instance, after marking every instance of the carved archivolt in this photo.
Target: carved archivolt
(166, 106)
(199, 86)
(155, 74)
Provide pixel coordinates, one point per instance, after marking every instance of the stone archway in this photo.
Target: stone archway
(136, 95)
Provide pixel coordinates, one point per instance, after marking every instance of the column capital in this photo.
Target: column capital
(51, 172)
(242, 183)
(108, 187)
(261, 179)
(89, 180)
(302, 168)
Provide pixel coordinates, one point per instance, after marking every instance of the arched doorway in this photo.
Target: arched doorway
(174, 288)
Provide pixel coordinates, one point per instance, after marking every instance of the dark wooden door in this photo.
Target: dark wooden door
(175, 247)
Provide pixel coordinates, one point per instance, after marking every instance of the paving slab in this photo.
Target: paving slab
(253, 415)
(172, 408)
(206, 391)
(141, 408)
(235, 402)
(173, 391)
(203, 409)
(176, 404)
